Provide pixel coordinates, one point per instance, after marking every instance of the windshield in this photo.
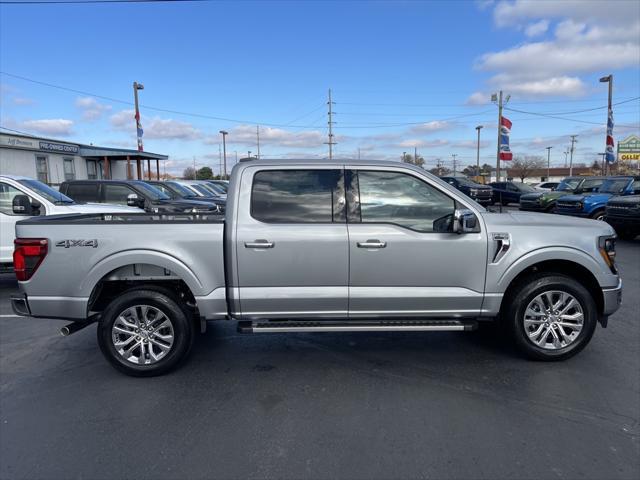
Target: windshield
(614, 186)
(152, 192)
(202, 190)
(223, 186)
(180, 189)
(46, 191)
(216, 187)
(568, 185)
(523, 187)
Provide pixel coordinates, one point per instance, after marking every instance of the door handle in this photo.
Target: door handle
(259, 244)
(372, 244)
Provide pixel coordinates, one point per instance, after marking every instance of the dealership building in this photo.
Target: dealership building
(54, 161)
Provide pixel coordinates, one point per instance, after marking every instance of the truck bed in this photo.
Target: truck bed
(86, 250)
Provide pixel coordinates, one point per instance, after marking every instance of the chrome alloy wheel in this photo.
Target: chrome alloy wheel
(142, 334)
(553, 320)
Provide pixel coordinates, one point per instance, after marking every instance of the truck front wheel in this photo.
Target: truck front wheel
(598, 215)
(144, 332)
(551, 316)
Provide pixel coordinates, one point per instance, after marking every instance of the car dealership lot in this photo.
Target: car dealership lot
(368, 405)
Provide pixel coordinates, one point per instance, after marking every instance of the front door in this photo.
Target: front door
(405, 260)
(291, 243)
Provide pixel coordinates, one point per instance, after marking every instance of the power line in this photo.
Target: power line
(558, 117)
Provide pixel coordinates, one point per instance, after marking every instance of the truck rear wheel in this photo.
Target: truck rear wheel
(144, 332)
(551, 316)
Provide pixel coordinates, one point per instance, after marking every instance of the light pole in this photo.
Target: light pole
(609, 142)
(548, 162)
(249, 154)
(478, 128)
(138, 86)
(224, 150)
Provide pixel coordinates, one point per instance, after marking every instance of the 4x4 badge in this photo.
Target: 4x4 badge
(77, 243)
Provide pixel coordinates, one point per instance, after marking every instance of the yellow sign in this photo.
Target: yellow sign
(629, 149)
(625, 157)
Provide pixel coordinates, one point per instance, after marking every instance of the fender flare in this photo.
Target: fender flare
(552, 253)
(130, 257)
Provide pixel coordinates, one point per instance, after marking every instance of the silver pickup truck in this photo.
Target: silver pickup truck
(319, 246)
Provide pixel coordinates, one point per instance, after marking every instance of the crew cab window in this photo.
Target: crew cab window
(82, 192)
(7, 192)
(298, 196)
(116, 193)
(401, 199)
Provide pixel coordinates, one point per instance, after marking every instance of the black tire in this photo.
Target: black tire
(598, 215)
(163, 300)
(551, 208)
(525, 292)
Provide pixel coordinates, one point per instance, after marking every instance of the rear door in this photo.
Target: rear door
(291, 243)
(405, 261)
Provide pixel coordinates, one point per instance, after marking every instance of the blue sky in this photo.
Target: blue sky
(404, 74)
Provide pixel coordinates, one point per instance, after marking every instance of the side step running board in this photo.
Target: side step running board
(357, 326)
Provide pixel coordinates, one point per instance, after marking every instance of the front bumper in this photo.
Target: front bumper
(612, 299)
(632, 223)
(573, 213)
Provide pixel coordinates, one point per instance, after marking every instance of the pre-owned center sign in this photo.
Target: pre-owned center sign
(629, 149)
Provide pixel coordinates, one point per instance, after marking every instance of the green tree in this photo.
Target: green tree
(204, 173)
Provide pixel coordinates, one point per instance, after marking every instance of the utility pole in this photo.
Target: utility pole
(548, 162)
(603, 168)
(415, 155)
(478, 128)
(258, 137)
(331, 143)
(194, 167)
(573, 141)
(224, 150)
(138, 86)
(566, 152)
(454, 155)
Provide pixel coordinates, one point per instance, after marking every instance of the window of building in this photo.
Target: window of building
(401, 199)
(69, 169)
(116, 193)
(42, 168)
(298, 196)
(92, 170)
(83, 192)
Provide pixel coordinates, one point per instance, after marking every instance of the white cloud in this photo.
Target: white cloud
(470, 144)
(418, 143)
(593, 36)
(478, 98)
(537, 28)
(23, 101)
(433, 126)
(246, 134)
(91, 109)
(52, 126)
(156, 128)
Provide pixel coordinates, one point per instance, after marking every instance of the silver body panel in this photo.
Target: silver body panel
(317, 271)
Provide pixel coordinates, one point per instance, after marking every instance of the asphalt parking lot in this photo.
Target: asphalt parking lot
(366, 405)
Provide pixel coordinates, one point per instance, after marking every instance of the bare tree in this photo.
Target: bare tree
(189, 173)
(522, 167)
(418, 161)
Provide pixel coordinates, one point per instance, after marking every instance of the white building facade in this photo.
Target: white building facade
(55, 161)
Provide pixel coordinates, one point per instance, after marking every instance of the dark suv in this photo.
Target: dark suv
(623, 214)
(179, 192)
(134, 193)
(509, 192)
(482, 194)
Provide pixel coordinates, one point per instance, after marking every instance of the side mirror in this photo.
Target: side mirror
(134, 201)
(465, 221)
(22, 205)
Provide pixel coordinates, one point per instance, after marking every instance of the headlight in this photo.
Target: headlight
(579, 205)
(607, 248)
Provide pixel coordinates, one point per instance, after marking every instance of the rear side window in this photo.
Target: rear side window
(298, 196)
(82, 192)
(116, 193)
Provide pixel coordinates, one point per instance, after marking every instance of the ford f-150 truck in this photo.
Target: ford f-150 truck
(317, 246)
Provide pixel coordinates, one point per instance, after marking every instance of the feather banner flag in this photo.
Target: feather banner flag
(609, 153)
(505, 131)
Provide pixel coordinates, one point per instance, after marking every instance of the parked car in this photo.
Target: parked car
(22, 197)
(592, 205)
(546, 201)
(223, 185)
(482, 194)
(134, 193)
(546, 186)
(312, 247)
(509, 192)
(202, 188)
(179, 192)
(623, 214)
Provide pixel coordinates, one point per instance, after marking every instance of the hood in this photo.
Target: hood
(542, 221)
(626, 199)
(554, 195)
(99, 208)
(531, 196)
